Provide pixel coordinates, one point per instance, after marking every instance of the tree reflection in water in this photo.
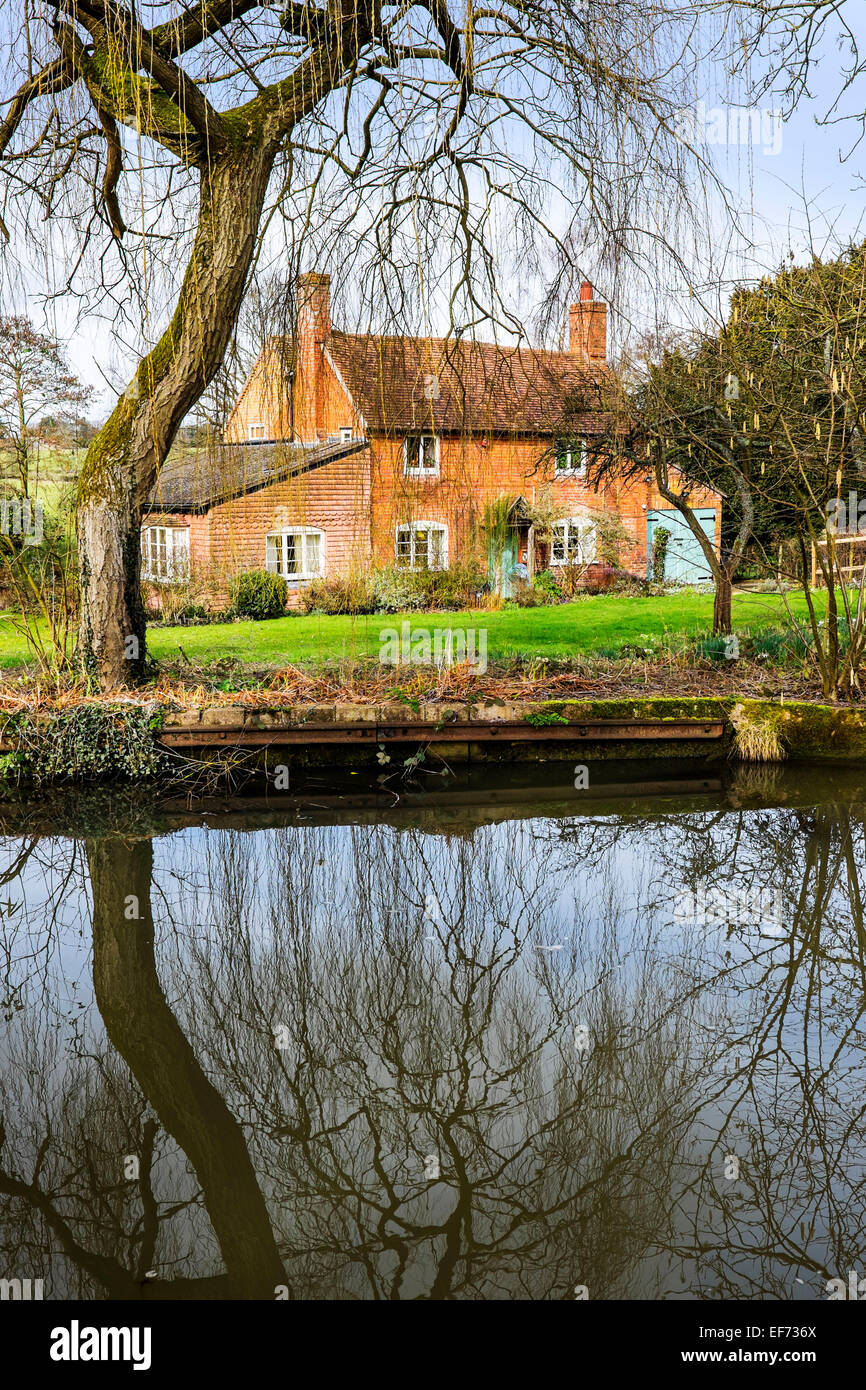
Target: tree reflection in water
(349, 1068)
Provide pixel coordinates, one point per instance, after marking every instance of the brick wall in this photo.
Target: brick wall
(262, 400)
(474, 472)
(318, 406)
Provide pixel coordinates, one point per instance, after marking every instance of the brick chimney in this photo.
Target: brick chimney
(587, 325)
(313, 300)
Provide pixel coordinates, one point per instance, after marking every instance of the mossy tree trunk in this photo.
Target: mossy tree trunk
(123, 461)
(234, 152)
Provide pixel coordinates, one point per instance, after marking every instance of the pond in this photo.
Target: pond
(526, 1035)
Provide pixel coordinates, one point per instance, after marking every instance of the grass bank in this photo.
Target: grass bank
(602, 624)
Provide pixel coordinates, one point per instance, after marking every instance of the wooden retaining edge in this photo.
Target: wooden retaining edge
(455, 731)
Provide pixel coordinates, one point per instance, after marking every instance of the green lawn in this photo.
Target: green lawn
(568, 630)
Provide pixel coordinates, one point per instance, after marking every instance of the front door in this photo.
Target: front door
(500, 565)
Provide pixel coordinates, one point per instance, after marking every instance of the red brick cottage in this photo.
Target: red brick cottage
(378, 450)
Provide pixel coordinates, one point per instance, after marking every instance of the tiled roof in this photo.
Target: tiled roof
(194, 482)
(401, 384)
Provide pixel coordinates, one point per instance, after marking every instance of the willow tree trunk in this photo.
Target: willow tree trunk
(123, 461)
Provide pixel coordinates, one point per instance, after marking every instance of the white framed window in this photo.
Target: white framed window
(422, 545)
(297, 553)
(570, 459)
(420, 455)
(346, 434)
(573, 541)
(256, 431)
(165, 553)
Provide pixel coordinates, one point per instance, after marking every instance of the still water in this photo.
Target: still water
(495, 1038)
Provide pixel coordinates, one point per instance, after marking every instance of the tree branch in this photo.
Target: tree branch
(53, 78)
(177, 36)
(105, 20)
(113, 171)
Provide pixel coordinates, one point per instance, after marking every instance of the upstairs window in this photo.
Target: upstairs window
(570, 459)
(346, 434)
(165, 554)
(256, 431)
(420, 455)
(297, 554)
(573, 542)
(422, 545)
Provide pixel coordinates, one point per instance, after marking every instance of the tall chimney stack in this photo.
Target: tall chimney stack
(313, 299)
(587, 325)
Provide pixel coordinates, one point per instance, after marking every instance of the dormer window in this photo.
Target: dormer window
(570, 459)
(346, 434)
(256, 431)
(420, 456)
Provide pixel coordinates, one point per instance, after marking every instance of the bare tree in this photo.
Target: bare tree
(667, 422)
(401, 133)
(34, 376)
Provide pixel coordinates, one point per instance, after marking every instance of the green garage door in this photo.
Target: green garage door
(685, 562)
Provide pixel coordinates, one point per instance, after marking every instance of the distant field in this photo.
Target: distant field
(602, 623)
(52, 472)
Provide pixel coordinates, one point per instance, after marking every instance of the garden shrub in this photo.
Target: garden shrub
(784, 647)
(457, 587)
(604, 579)
(527, 597)
(713, 648)
(193, 613)
(546, 584)
(189, 615)
(259, 594)
(627, 584)
(352, 594)
(397, 589)
(178, 601)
